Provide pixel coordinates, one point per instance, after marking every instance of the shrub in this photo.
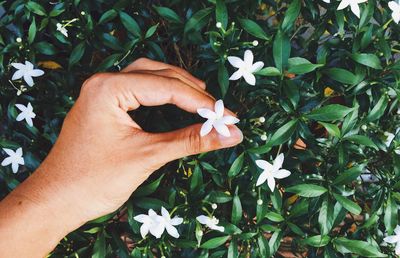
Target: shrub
(327, 100)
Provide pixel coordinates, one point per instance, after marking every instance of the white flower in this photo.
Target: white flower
(62, 29)
(246, 67)
(214, 206)
(218, 25)
(395, 7)
(152, 223)
(26, 113)
(216, 119)
(26, 70)
(353, 6)
(210, 222)
(271, 171)
(14, 158)
(260, 202)
(170, 223)
(395, 239)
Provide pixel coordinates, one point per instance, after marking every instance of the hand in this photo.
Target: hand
(102, 155)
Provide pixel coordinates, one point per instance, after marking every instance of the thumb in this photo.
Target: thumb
(187, 141)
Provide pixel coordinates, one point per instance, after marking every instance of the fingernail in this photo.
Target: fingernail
(235, 138)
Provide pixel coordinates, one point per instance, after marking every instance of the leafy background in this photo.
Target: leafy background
(329, 93)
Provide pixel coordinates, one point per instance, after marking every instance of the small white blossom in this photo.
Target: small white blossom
(395, 7)
(214, 206)
(264, 137)
(14, 158)
(271, 171)
(83, 13)
(246, 67)
(218, 25)
(261, 119)
(212, 223)
(353, 6)
(170, 223)
(216, 119)
(260, 202)
(26, 113)
(19, 40)
(62, 29)
(255, 43)
(152, 223)
(395, 239)
(364, 127)
(26, 71)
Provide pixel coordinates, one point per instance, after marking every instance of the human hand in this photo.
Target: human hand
(102, 155)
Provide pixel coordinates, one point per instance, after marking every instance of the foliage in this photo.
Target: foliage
(329, 93)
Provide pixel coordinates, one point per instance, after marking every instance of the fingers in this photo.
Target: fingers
(187, 141)
(148, 64)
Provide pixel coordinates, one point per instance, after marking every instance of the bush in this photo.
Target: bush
(327, 99)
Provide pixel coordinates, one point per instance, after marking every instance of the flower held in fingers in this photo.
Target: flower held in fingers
(216, 119)
(170, 223)
(26, 71)
(14, 158)
(395, 239)
(26, 113)
(353, 6)
(212, 223)
(246, 67)
(152, 223)
(270, 172)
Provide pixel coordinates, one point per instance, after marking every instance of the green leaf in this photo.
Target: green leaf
(236, 166)
(269, 71)
(99, 248)
(307, 190)
(263, 246)
(32, 31)
(349, 175)
(332, 129)
(221, 13)
(283, 133)
(214, 242)
(347, 204)
(196, 179)
(36, 8)
(341, 75)
(275, 217)
(108, 62)
(223, 79)
(369, 60)
(253, 29)
(281, 50)
(299, 65)
(197, 21)
(291, 15)
(46, 48)
(130, 24)
(219, 197)
(236, 210)
(390, 217)
(148, 189)
(361, 139)
(329, 113)
(317, 241)
(379, 109)
(233, 249)
(325, 216)
(108, 16)
(151, 31)
(76, 54)
(362, 248)
(150, 203)
(167, 13)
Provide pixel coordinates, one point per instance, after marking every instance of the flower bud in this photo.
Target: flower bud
(261, 119)
(364, 127)
(264, 137)
(19, 40)
(218, 25)
(83, 13)
(255, 43)
(259, 202)
(214, 206)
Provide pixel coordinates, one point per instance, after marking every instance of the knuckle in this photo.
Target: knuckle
(94, 83)
(203, 84)
(141, 60)
(193, 142)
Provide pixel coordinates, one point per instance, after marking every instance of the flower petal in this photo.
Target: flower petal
(222, 129)
(257, 66)
(18, 66)
(262, 178)
(235, 61)
(271, 183)
(219, 108)
(28, 65)
(176, 221)
(172, 231)
(206, 128)
(19, 151)
(236, 75)
(144, 230)
(218, 228)
(278, 162)
(14, 167)
(390, 239)
(206, 113)
(249, 78)
(396, 16)
(281, 173)
(36, 72)
(263, 164)
(9, 152)
(392, 5)
(355, 9)
(21, 116)
(343, 4)
(17, 75)
(28, 79)
(7, 161)
(29, 121)
(397, 230)
(229, 120)
(248, 58)
(165, 213)
(157, 229)
(142, 218)
(397, 249)
(203, 219)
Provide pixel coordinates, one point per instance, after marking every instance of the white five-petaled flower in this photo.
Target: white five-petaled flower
(395, 239)
(170, 223)
(271, 171)
(246, 67)
(14, 158)
(353, 6)
(216, 119)
(212, 223)
(26, 113)
(62, 29)
(395, 7)
(26, 71)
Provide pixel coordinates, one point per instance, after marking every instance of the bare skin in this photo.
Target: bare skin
(102, 155)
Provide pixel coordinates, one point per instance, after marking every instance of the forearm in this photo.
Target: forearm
(33, 218)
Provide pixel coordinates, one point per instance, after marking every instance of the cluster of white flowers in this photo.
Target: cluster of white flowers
(156, 224)
(25, 71)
